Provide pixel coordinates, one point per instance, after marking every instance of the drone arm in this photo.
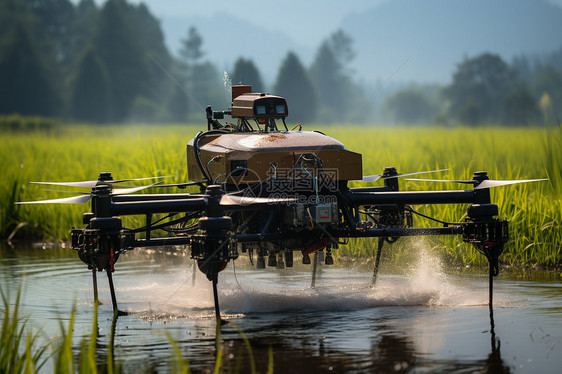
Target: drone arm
(416, 198)
(370, 189)
(147, 197)
(156, 242)
(157, 206)
(396, 232)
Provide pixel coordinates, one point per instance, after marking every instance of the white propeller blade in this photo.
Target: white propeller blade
(418, 172)
(497, 183)
(90, 184)
(124, 191)
(484, 184)
(370, 178)
(67, 200)
(376, 177)
(229, 200)
(440, 180)
(84, 198)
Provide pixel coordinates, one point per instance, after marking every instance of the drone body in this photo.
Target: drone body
(269, 192)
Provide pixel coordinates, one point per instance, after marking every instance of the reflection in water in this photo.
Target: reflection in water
(494, 363)
(405, 324)
(393, 354)
(390, 351)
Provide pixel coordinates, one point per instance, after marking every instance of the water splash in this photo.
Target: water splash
(170, 294)
(227, 83)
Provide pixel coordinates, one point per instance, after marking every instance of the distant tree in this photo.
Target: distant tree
(294, 84)
(83, 27)
(178, 105)
(548, 80)
(520, 107)
(191, 51)
(26, 87)
(341, 45)
(149, 34)
(191, 56)
(471, 112)
(410, 106)
(145, 110)
(330, 76)
(52, 23)
(200, 77)
(523, 68)
(123, 58)
(208, 88)
(125, 37)
(555, 59)
(13, 13)
(90, 97)
(246, 72)
(479, 87)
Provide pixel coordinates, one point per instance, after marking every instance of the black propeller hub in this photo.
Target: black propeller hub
(479, 177)
(101, 201)
(213, 198)
(105, 176)
(389, 182)
(389, 172)
(482, 195)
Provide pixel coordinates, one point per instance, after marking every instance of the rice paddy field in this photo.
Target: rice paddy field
(80, 152)
(86, 342)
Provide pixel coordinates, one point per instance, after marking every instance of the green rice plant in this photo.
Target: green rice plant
(250, 352)
(18, 346)
(81, 152)
(18, 123)
(87, 361)
(218, 348)
(552, 145)
(64, 363)
(532, 209)
(20, 353)
(181, 366)
(178, 365)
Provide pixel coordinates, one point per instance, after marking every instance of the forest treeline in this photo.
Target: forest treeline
(109, 64)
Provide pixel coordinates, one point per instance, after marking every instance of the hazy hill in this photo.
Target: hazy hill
(436, 34)
(225, 38)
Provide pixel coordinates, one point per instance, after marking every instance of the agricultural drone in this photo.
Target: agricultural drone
(267, 191)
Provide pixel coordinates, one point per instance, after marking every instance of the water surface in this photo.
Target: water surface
(426, 320)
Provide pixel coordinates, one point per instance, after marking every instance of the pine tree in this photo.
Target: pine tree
(479, 87)
(125, 62)
(83, 28)
(178, 105)
(52, 30)
(156, 56)
(201, 77)
(26, 86)
(295, 86)
(247, 73)
(191, 51)
(328, 73)
(90, 99)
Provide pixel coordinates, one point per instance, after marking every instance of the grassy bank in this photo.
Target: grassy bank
(21, 351)
(81, 152)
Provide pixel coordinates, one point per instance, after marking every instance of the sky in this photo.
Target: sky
(306, 22)
(301, 19)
